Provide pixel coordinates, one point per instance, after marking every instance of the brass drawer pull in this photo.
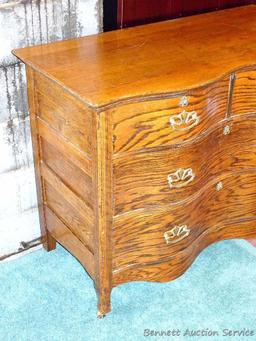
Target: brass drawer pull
(180, 178)
(176, 234)
(184, 121)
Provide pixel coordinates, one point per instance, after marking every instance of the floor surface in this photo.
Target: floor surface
(48, 296)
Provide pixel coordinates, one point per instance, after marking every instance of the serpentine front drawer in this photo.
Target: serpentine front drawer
(157, 234)
(170, 175)
(145, 147)
(169, 121)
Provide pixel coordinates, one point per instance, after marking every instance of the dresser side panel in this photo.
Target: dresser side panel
(64, 113)
(65, 168)
(48, 242)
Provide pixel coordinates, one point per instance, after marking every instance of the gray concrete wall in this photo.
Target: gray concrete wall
(23, 23)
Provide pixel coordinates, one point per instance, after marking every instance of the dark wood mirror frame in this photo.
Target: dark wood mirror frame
(126, 13)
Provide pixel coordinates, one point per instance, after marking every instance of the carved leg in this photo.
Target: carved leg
(49, 243)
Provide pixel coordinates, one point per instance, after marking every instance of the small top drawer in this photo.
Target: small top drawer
(244, 96)
(169, 121)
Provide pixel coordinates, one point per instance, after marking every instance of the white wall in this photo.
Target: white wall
(22, 23)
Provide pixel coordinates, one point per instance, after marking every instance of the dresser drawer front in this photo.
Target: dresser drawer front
(175, 174)
(244, 96)
(139, 237)
(169, 121)
(180, 262)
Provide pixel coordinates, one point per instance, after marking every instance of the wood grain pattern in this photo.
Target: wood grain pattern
(104, 199)
(63, 113)
(178, 264)
(147, 124)
(211, 209)
(49, 242)
(65, 186)
(159, 58)
(70, 241)
(72, 176)
(74, 200)
(76, 156)
(244, 99)
(141, 178)
(76, 220)
(100, 110)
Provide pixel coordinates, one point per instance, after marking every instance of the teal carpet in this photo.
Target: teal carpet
(48, 296)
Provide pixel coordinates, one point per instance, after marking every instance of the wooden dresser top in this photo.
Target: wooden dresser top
(159, 58)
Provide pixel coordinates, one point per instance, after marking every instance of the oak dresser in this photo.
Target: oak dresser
(144, 144)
